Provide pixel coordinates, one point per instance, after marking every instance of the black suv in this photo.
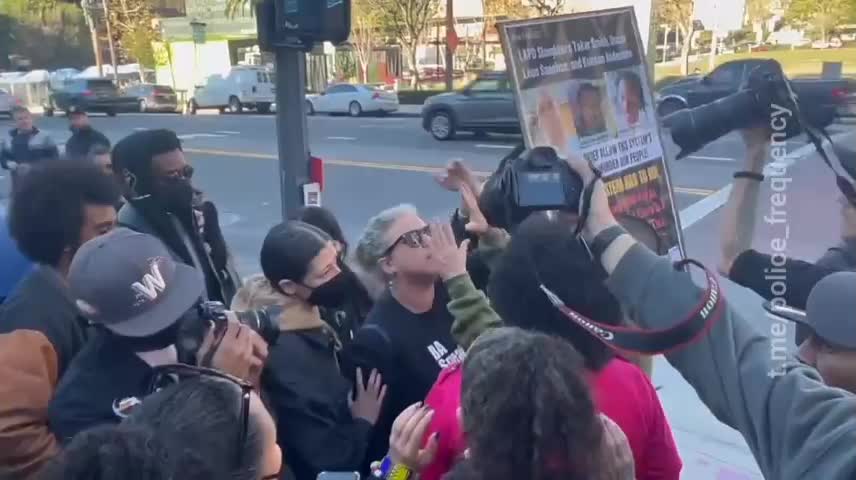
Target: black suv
(90, 95)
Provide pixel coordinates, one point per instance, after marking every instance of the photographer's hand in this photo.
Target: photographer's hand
(406, 439)
(600, 217)
(369, 398)
(478, 224)
(450, 258)
(238, 351)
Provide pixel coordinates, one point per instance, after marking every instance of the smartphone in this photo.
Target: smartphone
(338, 476)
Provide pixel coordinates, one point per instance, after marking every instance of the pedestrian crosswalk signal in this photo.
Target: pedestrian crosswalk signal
(307, 22)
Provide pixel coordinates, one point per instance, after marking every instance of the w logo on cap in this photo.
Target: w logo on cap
(152, 284)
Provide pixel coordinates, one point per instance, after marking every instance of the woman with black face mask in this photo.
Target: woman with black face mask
(349, 317)
(324, 424)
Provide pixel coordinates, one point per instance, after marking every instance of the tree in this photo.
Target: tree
(365, 27)
(823, 16)
(680, 13)
(49, 38)
(407, 21)
(547, 8)
(758, 12)
(510, 9)
(131, 22)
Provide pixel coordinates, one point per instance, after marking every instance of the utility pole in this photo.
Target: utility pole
(292, 141)
(713, 38)
(89, 15)
(450, 33)
(110, 40)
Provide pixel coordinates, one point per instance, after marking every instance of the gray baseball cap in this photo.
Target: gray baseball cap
(831, 309)
(129, 283)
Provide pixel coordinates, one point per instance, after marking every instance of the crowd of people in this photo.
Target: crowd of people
(130, 348)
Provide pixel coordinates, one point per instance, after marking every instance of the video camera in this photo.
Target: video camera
(765, 91)
(522, 184)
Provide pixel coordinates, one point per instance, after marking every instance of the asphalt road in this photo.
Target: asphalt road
(374, 163)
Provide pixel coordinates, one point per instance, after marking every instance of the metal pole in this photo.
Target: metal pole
(292, 139)
(711, 62)
(110, 40)
(450, 57)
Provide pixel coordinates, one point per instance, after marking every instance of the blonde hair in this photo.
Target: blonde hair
(373, 243)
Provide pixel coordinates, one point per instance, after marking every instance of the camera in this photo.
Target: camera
(535, 181)
(262, 321)
(765, 90)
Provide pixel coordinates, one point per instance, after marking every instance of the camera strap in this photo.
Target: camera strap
(585, 201)
(634, 340)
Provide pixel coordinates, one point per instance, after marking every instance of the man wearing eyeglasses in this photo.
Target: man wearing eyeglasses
(161, 201)
(138, 298)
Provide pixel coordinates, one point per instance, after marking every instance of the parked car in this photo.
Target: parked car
(242, 87)
(485, 105)
(90, 95)
(828, 95)
(153, 98)
(7, 102)
(353, 100)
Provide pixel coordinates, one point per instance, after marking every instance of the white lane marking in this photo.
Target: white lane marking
(704, 207)
(140, 129)
(228, 132)
(503, 147)
(189, 136)
(713, 159)
(342, 138)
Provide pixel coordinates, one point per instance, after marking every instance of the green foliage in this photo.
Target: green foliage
(51, 34)
(133, 34)
(407, 21)
(346, 66)
(821, 16)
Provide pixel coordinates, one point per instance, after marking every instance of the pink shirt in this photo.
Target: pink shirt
(621, 391)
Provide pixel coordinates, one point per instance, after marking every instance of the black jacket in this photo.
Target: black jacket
(310, 398)
(30, 147)
(90, 393)
(186, 244)
(82, 140)
(409, 350)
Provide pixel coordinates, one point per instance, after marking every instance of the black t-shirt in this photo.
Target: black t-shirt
(409, 350)
(93, 389)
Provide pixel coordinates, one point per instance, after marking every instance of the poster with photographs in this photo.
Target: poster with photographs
(583, 88)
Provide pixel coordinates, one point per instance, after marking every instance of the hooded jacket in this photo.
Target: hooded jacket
(796, 427)
(206, 250)
(27, 147)
(307, 390)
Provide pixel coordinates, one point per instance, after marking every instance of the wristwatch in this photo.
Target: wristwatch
(604, 239)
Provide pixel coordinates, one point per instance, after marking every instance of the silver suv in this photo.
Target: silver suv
(485, 105)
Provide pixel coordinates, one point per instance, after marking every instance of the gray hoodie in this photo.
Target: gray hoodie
(797, 427)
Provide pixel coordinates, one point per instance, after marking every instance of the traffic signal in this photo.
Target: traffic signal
(303, 23)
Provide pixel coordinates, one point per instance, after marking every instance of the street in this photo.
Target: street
(373, 163)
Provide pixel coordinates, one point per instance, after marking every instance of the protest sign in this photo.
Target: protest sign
(582, 87)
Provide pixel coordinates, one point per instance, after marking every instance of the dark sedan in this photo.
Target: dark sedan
(90, 95)
(153, 98)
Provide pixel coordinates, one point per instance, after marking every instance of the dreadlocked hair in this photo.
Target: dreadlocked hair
(527, 411)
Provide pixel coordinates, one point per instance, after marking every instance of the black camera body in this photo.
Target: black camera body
(262, 321)
(765, 91)
(535, 181)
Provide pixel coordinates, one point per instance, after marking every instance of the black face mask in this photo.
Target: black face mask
(176, 194)
(331, 294)
(158, 341)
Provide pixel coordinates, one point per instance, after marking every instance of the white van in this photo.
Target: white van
(243, 87)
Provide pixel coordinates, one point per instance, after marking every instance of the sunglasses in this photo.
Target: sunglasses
(167, 375)
(185, 172)
(413, 239)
